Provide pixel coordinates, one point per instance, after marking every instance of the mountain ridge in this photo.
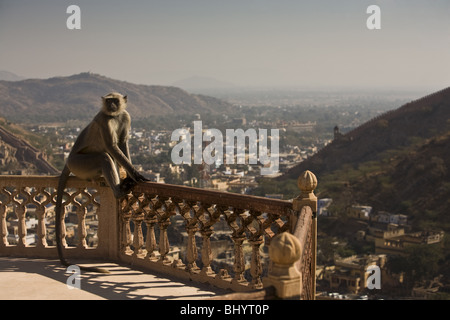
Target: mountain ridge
(77, 97)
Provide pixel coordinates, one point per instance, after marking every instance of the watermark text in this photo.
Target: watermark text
(209, 146)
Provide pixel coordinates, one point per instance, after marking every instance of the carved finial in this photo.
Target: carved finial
(307, 182)
(285, 249)
(284, 252)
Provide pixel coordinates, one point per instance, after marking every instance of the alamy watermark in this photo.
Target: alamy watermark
(208, 146)
(73, 22)
(373, 22)
(74, 281)
(374, 279)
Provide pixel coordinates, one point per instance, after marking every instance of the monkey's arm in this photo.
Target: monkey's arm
(123, 136)
(119, 153)
(125, 150)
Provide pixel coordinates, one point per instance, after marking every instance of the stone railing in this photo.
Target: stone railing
(25, 197)
(182, 231)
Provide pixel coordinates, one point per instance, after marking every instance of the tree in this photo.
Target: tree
(420, 262)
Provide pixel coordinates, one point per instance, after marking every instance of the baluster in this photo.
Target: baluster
(126, 233)
(256, 266)
(36, 199)
(138, 237)
(3, 228)
(164, 241)
(206, 252)
(191, 229)
(239, 262)
(238, 239)
(22, 228)
(166, 210)
(41, 230)
(207, 220)
(63, 215)
(191, 250)
(255, 227)
(63, 227)
(163, 223)
(126, 214)
(81, 214)
(150, 244)
(151, 218)
(20, 210)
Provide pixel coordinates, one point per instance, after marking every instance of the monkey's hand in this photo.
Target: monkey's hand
(129, 182)
(126, 186)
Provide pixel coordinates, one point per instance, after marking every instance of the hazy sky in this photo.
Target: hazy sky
(244, 42)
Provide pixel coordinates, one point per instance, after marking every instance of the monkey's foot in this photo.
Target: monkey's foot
(126, 186)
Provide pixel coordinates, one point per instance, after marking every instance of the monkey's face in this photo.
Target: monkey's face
(114, 103)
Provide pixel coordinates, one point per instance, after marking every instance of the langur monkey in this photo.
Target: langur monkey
(102, 144)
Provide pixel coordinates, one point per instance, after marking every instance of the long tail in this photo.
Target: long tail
(58, 218)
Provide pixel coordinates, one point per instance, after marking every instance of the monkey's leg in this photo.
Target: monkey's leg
(92, 165)
(111, 174)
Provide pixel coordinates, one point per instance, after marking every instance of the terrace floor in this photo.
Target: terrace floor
(41, 279)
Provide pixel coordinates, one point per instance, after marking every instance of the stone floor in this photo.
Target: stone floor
(40, 279)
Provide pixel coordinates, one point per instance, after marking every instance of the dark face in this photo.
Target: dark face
(112, 104)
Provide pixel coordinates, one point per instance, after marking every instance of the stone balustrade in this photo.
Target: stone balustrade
(138, 229)
(23, 197)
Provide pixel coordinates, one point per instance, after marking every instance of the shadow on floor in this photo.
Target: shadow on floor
(19, 275)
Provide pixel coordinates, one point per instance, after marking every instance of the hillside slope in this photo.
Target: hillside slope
(17, 153)
(397, 162)
(78, 97)
(416, 182)
(416, 121)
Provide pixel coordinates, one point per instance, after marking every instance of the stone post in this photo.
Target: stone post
(307, 183)
(3, 227)
(109, 220)
(284, 251)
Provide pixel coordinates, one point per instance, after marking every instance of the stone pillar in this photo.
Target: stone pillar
(307, 183)
(284, 251)
(3, 227)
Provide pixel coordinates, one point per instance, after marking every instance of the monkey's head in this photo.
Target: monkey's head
(114, 103)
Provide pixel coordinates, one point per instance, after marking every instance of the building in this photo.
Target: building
(360, 212)
(322, 207)
(386, 217)
(395, 240)
(351, 274)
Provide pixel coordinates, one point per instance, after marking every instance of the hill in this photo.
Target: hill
(9, 76)
(17, 154)
(398, 162)
(404, 127)
(78, 97)
(415, 181)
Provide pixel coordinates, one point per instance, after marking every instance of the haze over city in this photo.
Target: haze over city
(244, 43)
